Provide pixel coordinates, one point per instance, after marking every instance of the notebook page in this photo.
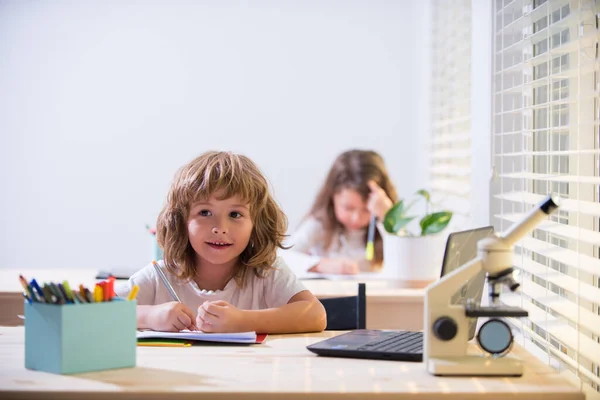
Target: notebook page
(237, 337)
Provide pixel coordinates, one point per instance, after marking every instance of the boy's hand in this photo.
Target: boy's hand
(220, 316)
(378, 202)
(172, 317)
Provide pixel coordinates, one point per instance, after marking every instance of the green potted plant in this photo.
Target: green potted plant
(414, 255)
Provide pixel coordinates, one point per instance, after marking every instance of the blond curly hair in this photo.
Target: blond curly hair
(233, 174)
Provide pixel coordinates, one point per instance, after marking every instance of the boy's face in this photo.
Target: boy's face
(219, 230)
(350, 209)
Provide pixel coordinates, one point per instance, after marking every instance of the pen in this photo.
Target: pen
(370, 250)
(133, 293)
(37, 290)
(165, 281)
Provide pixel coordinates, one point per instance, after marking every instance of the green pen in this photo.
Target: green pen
(68, 291)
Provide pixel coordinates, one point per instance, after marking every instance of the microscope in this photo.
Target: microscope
(446, 325)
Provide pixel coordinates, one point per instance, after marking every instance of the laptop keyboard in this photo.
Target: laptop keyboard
(400, 342)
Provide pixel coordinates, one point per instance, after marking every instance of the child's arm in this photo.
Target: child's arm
(303, 313)
(336, 266)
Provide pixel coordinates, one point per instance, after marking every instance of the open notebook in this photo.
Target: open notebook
(238, 337)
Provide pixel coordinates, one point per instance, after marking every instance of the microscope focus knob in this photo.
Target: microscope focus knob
(444, 328)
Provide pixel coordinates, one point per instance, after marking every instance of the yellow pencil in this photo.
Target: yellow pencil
(133, 293)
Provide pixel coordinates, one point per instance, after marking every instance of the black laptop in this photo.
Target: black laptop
(461, 247)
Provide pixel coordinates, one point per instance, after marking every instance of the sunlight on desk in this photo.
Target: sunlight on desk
(281, 366)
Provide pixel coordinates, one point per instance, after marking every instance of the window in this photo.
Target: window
(451, 110)
(546, 139)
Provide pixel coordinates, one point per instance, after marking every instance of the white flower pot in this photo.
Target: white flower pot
(417, 258)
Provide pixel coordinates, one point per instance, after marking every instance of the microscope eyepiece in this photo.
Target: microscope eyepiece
(549, 204)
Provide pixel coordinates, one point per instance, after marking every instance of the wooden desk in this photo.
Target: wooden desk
(390, 304)
(279, 368)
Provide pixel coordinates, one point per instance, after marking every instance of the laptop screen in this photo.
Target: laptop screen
(461, 248)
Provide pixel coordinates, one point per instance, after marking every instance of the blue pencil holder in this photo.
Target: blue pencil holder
(75, 338)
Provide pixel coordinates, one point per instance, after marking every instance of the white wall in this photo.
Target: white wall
(481, 112)
(101, 102)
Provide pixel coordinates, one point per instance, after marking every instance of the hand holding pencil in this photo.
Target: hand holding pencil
(378, 202)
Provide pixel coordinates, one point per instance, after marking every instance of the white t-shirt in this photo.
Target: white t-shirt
(309, 238)
(275, 290)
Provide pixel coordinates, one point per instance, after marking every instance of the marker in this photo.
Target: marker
(89, 296)
(48, 295)
(64, 294)
(80, 299)
(60, 299)
(134, 291)
(68, 291)
(370, 250)
(110, 287)
(98, 293)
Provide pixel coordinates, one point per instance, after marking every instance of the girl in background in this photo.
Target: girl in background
(357, 187)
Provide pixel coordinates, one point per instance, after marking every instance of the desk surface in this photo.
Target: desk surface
(280, 366)
(9, 283)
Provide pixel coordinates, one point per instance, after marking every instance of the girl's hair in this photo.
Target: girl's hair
(198, 180)
(352, 170)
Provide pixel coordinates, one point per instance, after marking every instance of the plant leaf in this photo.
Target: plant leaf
(394, 220)
(425, 194)
(435, 222)
(392, 215)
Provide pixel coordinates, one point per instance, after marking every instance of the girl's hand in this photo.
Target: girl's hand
(220, 316)
(337, 266)
(171, 317)
(378, 202)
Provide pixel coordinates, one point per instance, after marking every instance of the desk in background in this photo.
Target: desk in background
(279, 368)
(390, 304)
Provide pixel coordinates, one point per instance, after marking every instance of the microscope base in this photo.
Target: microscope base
(475, 366)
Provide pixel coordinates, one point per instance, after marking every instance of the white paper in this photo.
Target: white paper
(237, 337)
(298, 262)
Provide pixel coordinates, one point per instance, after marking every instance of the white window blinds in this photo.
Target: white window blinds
(546, 136)
(451, 109)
